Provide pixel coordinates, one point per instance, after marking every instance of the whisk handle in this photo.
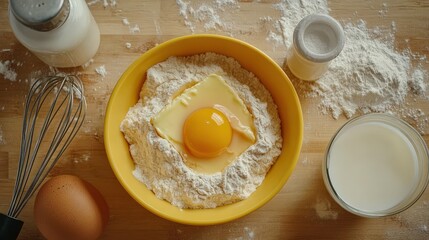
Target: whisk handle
(9, 227)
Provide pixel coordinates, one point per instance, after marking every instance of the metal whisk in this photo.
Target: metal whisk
(54, 111)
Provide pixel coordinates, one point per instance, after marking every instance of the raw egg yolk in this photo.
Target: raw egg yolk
(207, 133)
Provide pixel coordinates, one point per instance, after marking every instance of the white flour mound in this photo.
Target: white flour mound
(368, 76)
(160, 166)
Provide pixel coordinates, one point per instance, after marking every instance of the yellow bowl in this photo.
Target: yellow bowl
(126, 94)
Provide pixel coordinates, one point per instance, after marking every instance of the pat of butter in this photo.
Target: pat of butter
(212, 92)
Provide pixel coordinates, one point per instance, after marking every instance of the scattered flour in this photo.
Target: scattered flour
(101, 70)
(134, 29)
(90, 3)
(111, 3)
(106, 3)
(160, 166)
(125, 21)
(417, 81)
(324, 211)
(85, 65)
(246, 234)
(291, 13)
(207, 14)
(82, 158)
(414, 219)
(157, 27)
(370, 74)
(2, 140)
(249, 232)
(7, 72)
(384, 10)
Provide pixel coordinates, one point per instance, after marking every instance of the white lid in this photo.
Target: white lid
(319, 38)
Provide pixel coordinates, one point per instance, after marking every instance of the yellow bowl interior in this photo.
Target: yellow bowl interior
(126, 94)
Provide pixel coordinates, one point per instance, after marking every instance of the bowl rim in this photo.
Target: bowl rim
(287, 173)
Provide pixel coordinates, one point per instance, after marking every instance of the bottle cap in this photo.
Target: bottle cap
(41, 15)
(319, 38)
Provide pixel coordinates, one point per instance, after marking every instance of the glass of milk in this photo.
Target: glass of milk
(376, 165)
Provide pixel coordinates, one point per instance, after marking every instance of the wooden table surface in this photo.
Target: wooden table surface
(302, 210)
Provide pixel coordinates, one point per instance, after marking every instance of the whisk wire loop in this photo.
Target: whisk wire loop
(60, 122)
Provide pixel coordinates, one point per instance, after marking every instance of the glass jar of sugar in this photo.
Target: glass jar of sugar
(376, 165)
(62, 33)
(317, 39)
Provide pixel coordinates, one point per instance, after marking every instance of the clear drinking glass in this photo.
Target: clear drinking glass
(415, 143)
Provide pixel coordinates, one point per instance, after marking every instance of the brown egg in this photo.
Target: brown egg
(68, 207)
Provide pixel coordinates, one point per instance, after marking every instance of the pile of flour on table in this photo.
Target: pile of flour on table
(160, 166)
(370, 75)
